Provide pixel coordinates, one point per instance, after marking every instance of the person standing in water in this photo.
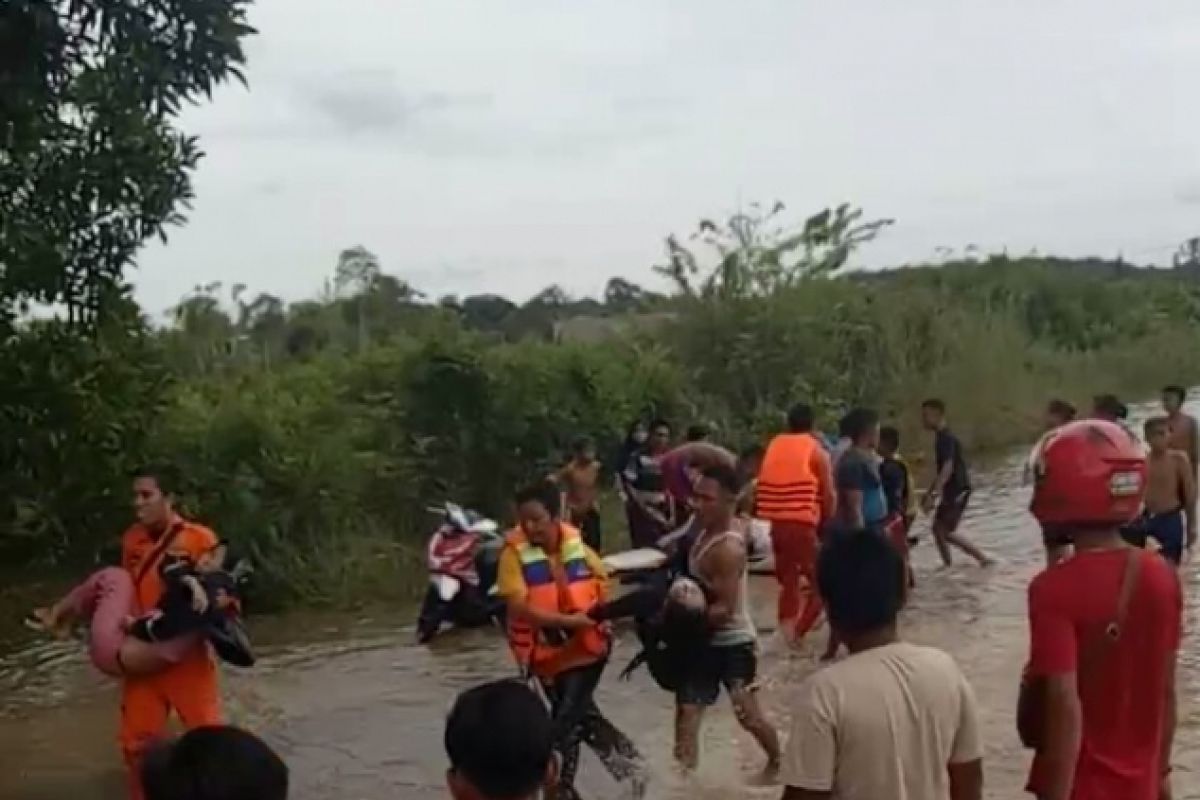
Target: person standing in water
(795, 493)
(187, 687)
(861, 502)
(1184, 434)
(550, 579)
(898, 491)
(1097, 701)
(717, 561)
(951, 488)
(580, 482)
(1170, 513)
(893, 720)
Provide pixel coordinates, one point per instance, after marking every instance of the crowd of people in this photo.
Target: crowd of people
(891, 720)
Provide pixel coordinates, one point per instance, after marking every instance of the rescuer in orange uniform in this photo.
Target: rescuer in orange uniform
(550, 580)
(795, 494)
(189, 687)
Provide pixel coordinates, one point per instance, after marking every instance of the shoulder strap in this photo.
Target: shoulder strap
(1129, 581)
(154, 555)
(1099, 645)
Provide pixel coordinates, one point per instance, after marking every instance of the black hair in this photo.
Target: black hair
(844, 426)
(724, 476)
(800, 418)
(697, 432)
(544, 492)
(581, 444)
(1061, 408)
(889, 435)
(1156, 423)
(1178, 391)
(934, 404)
(1109, 404)
(499, 737)
(164, 475)
(659, 423)
(217, 762)
(859, 422)
(862, 578)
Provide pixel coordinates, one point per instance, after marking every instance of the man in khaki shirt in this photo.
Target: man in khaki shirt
(893, 720)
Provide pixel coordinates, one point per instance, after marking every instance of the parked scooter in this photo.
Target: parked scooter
(462, 557)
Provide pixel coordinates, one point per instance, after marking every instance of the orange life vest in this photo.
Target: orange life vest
(787, 489)
(571, 590)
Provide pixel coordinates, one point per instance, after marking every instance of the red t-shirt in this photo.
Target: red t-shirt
(1124, 701)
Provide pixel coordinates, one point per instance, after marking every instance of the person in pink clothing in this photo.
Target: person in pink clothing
(120, 644)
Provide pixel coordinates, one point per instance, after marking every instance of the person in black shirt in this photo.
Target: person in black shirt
(951, 489)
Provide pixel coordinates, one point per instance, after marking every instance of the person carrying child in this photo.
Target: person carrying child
(181, 677)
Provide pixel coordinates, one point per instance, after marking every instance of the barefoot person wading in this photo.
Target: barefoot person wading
(717, 560)
(951, 488)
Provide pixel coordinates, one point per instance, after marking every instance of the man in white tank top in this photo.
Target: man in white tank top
(717, 560)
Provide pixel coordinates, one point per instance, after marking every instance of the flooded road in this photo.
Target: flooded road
(358, 711)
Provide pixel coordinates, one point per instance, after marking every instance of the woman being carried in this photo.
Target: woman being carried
(200, 601)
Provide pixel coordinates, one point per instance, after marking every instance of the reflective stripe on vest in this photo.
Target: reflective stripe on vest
(787, 486)
(578, 592)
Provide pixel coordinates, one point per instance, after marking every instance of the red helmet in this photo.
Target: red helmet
(1088, 473)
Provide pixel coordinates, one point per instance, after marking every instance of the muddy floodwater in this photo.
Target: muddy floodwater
(357, 709)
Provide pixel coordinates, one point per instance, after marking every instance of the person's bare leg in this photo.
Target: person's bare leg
(962, 543)
(55, 620)
(687, 735)
(142, 658)
(750, 715)
(940, 538)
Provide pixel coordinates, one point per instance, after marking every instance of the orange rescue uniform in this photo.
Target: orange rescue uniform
(795, 493)
(570, 581)
(188, 688)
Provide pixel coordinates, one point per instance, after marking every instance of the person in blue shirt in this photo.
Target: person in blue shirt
(861, 503)
(861, 499)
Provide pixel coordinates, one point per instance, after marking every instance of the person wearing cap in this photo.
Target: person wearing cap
(1097, 701)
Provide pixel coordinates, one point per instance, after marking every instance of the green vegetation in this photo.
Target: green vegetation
(313, 434)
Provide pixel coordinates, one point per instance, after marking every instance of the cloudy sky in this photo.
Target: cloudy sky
(503, 145)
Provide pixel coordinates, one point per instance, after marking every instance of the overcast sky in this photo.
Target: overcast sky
(500, 146)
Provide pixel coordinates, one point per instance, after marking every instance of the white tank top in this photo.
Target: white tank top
(740, 627)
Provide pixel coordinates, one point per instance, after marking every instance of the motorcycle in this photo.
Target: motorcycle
(462, 557)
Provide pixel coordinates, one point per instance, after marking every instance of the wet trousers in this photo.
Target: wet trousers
(795, 545)
(577, 720)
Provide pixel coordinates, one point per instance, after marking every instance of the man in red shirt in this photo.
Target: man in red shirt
(1098, 701)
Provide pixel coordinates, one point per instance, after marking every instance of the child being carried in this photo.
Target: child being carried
(199, 602)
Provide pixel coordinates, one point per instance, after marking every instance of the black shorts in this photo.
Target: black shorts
(950, 510)
(734, 667)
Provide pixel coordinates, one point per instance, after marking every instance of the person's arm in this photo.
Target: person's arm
(511, 586)
(851, 484)
(1170, 720)
(1188, 490)
(822, 468)
(1194, 445)
(599, 571)
(725, 562)
(809, 766)
(966, 754)
(1053, 658)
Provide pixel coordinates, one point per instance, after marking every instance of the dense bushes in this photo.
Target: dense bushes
(321, 465)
